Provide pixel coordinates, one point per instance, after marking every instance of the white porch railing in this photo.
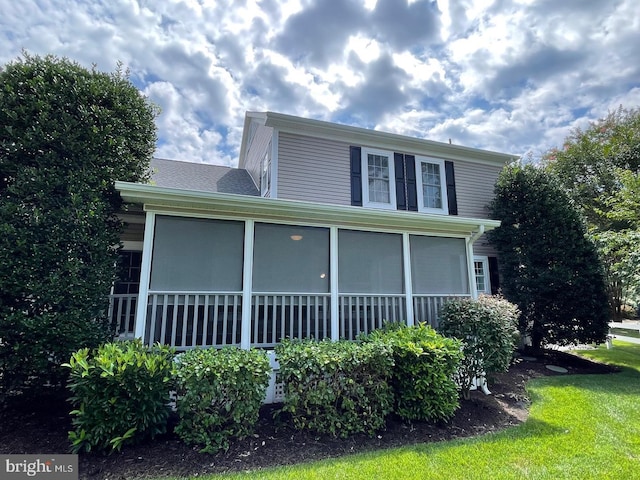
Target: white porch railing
(275, 316)
(426, 308)
(122, 312)
(362, 313)
(187, 320)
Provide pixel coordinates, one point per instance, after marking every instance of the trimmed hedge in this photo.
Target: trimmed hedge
(337, 388)
(220, 393)
(120, 394)
(488, 328)
(423, 375)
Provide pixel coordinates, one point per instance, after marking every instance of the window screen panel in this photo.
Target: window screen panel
(438, 265)
(370, 262)
(290, 259)
(192, 254)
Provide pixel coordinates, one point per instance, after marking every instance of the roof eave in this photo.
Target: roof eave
(242, 206)
(375, 138)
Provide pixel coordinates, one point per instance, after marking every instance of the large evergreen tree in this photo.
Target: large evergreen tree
(550, 267)
(66, 134)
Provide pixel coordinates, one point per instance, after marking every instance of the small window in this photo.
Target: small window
(481, 272)
(265, 177)
(128, 280)
(432, 194)
(378, 179)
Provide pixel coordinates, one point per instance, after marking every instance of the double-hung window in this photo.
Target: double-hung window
(379, 189)
(432, 187)
(481, 271)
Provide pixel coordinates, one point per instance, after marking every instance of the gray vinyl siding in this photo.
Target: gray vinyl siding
(257, 149)
(133, 233)
(313, 169)
(133, 226)
(483, 247)
(474, 187)
(318, 170)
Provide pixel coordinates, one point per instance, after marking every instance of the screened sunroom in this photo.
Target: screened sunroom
(220, 269)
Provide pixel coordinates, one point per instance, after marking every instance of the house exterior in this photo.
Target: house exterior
(323, 231)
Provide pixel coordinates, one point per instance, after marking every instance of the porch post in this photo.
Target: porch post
(408, 286)
(247, 282)
(145, 276)
(333, 280)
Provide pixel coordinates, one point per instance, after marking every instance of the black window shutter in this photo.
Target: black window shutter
(452, 199)
(401, 197)
(494, 276)
(356, 176)
(412, 189)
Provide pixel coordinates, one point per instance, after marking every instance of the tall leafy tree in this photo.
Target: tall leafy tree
(66, 134)
(623, 204)
(550, 267)
(600, 169)
(620, 254)
(590, 162)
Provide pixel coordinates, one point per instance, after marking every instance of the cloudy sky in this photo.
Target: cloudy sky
(506, 75)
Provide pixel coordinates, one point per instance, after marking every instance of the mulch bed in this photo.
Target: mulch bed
(41, 426)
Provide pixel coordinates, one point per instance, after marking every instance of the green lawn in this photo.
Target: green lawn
(625, 332)
(580, 427)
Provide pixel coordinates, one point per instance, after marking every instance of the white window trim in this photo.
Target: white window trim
(365, 179)
(487, 277)
(273, 189)
(443, 186)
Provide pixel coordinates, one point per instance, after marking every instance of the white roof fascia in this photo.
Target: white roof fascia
(375, 138)
(291, 211)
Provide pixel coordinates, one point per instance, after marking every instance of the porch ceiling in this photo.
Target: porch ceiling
(171, 200)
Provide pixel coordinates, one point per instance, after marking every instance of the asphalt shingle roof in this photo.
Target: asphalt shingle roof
(202, 177)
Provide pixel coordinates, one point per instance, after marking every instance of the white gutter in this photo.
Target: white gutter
(185, 202)
(474, 237)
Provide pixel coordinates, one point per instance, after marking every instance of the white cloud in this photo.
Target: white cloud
(367, 49)
(510, 75)
(184, 136)
(421, 70)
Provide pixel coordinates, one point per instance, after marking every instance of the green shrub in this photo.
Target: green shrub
(220, 393)
(488, 328)
(339, 388)
(120, 394)
(425, 364)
